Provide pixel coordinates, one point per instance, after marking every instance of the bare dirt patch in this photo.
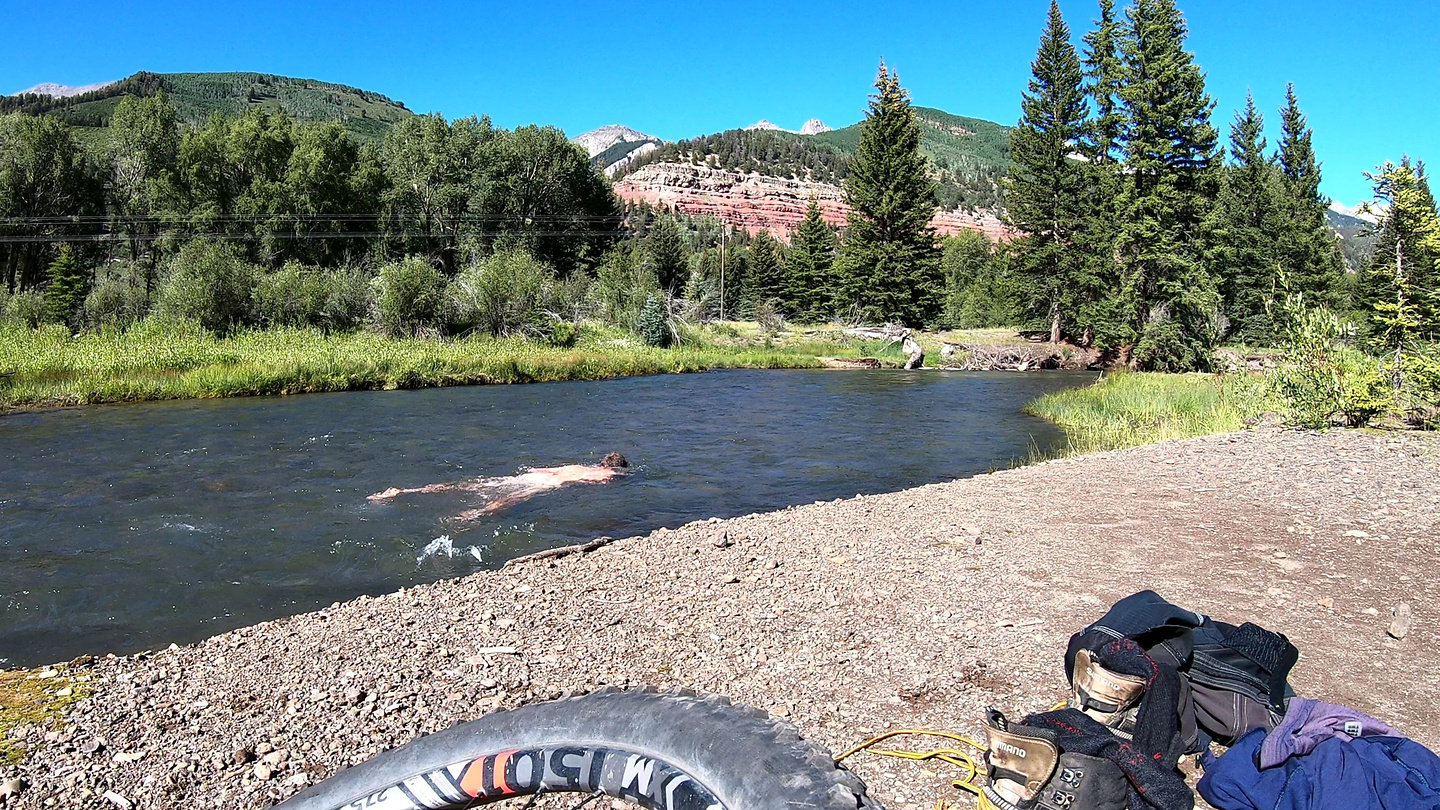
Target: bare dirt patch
(916, 608)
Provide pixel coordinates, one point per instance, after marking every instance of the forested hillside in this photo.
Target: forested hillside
(967, 155)
(196, 96)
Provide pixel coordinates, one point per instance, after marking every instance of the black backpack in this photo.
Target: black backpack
(1234, 677)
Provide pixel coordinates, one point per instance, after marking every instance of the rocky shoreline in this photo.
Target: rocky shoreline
(915, 608)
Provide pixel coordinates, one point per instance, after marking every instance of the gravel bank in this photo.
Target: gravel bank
(917, 608)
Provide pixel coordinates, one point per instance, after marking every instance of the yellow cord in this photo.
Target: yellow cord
(963, 760)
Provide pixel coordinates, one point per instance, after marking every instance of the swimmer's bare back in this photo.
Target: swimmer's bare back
(514, 488)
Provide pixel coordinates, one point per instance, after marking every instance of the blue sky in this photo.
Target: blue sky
(1367, 73)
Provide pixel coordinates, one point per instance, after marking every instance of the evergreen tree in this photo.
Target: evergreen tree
(765, 280)
(68, 282)
(1400, 291)
(1045, 195)
(807, 268)
(1307, 249)
(1098, 274)
(889, 263)
(1244, 230)
(1169, 302)
(1104, 75)
(666, 248)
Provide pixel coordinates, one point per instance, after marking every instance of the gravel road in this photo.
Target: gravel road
(915, 608)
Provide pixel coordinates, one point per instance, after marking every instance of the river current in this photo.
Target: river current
(125, 528)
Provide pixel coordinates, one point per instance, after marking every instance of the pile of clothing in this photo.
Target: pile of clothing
(1152, 682)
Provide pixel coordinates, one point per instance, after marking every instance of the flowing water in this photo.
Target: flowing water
(125, 528)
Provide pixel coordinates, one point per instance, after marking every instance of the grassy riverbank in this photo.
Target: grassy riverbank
(1125, 409)
(170, 360)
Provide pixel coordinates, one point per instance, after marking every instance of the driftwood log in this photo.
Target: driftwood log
(963, 357)
(914, 354)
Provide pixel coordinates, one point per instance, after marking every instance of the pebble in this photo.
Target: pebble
(117, 800)
(11, 788)
(263, 772)
(721, 540)
(1400, 624)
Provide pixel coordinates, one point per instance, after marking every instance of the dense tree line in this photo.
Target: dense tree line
(277, 193)
(1138, 235)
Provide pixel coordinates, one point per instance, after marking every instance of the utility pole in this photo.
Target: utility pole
(724, 237)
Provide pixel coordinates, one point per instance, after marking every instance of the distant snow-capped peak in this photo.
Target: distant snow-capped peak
(61, 90)
(598, 140)
(1366, 211)
(812, 127)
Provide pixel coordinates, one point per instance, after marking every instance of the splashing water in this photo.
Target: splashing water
(443, 545)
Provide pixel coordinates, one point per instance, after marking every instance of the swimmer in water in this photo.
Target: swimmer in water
(506, 491)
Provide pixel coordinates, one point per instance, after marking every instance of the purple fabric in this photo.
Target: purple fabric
(1308, 723)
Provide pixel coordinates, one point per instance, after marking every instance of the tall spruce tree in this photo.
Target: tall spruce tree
(889, 262)
(1098, 277)
(1169, 300)
(765, 280)
(666, 248)
(1306, 248)
(1045, 195)
(1245, 226)
(808, 267)
(1400, 291)
(67, 284)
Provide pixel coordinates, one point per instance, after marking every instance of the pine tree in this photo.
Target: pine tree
(1400, 292)
(68, 282)
(1098, 273)
(1169, 302)
(889, 262)
(667, 251)
(808, 267)
(1246, 221)
(765, 282)
(1104, 75)
(1307, 248)
(1045, 195)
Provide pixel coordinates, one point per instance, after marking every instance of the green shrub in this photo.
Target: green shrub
(654, 327)
(563, 334)
(116, 301)
(210, 283)
(624, 283)
(349, 300)
(27, 308)
(409, 296)
(506, 294)
(1421, 402)
(1321, 380)
(294, 295)
(4, 300)
(767, 318)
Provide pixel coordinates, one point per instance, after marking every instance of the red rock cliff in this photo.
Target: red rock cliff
(758, 202)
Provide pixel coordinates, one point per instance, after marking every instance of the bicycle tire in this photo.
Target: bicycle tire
(661, 750)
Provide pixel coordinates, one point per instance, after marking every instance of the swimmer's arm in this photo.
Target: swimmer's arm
(393, 491)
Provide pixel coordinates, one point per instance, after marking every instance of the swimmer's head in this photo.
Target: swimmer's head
(614, 460)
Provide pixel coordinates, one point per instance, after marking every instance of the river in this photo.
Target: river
(125, 528)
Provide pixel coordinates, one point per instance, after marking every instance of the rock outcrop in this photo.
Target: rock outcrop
(814, 127)
(758, 202)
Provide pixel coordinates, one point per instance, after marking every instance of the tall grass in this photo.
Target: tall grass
(1127, 409)
(179, 360)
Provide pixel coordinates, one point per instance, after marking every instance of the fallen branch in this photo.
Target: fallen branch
(563, 551)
